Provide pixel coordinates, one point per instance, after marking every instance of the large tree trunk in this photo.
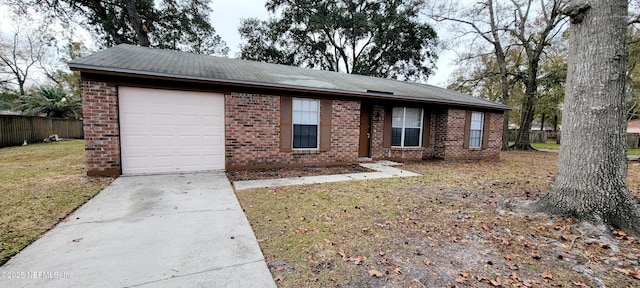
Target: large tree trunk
(505, 131)
(528, 105)
(504, 80)
(592, 168)
(134, 18)
(504, 83)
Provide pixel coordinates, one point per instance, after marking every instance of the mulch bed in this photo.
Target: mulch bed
(291, 172)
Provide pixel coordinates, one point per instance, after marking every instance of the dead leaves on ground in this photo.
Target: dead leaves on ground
(371, 231)
(633, 273)
(355, 260)
(278, 278)
(375, 273)
(546, 275)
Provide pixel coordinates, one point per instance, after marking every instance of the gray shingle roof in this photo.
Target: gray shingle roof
(130, 59)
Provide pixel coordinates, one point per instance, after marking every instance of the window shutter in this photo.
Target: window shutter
(286, 128)
(325, 125)
(486, 130)
(467, 130)
(386, 136)
(426, 129)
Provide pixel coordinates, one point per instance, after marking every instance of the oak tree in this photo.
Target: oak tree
(592, 168)
(527, 25)
(376, 38)
(171, 24)
(483, 20)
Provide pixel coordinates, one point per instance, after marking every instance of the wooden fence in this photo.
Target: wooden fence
(633, 140)
(15, 129)
(535, 136)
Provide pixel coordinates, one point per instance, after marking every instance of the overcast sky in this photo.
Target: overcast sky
(226, 18)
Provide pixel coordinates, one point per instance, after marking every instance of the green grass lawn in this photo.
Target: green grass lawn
(551, 145)
(40, 184)
(548, 145)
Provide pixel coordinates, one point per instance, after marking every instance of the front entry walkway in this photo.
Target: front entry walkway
(383, 169)
(181, 230)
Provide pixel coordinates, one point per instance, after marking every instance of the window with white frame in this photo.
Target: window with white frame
(477, 122)
(306, 119)
(406, 127)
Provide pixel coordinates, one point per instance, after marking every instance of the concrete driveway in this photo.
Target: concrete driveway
(183, 230)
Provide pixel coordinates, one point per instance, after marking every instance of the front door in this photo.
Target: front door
(365, 131)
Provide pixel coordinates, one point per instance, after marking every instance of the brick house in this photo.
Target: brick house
(158, 111)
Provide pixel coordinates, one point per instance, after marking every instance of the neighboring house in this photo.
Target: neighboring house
(536, 127)
(9, 112)
(157, 111)
(633, 126)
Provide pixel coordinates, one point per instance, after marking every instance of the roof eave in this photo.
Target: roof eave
(286, 87)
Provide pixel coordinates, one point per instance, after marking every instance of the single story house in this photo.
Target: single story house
(158, 111)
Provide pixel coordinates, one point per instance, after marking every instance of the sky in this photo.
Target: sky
(226, 18)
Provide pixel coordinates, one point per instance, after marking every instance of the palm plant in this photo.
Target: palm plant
(51, 102)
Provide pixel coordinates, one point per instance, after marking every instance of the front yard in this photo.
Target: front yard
(40, 185)
(454, 226)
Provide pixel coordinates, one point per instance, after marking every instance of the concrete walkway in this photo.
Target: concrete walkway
(383, 169)
(183, 230)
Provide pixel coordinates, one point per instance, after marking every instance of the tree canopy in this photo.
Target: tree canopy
(375, 38)
(529, 26)
(169, 24)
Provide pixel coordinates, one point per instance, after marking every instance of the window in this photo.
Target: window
(306, 119)
(477, 123)
(406, 127)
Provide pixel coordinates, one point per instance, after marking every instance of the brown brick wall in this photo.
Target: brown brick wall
(253, 133)
(101, 128)
(446, 137)
(440, 137)
(449, 136)
(377, 131)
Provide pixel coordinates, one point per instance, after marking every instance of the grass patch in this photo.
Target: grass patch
(40, 184)
(548, 145)
(449, 227)
(551, 145)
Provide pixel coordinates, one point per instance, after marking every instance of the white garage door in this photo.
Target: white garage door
(170, 131)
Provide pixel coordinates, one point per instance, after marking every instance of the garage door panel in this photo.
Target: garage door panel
(211, 121)
(163, 141)
(164, 161)
(190, 141)
(163, 120)
(137, 141)
(212, 141)
(138, 162)
(138, 119)
(170, 131)
(189, 160)
(189, 120)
